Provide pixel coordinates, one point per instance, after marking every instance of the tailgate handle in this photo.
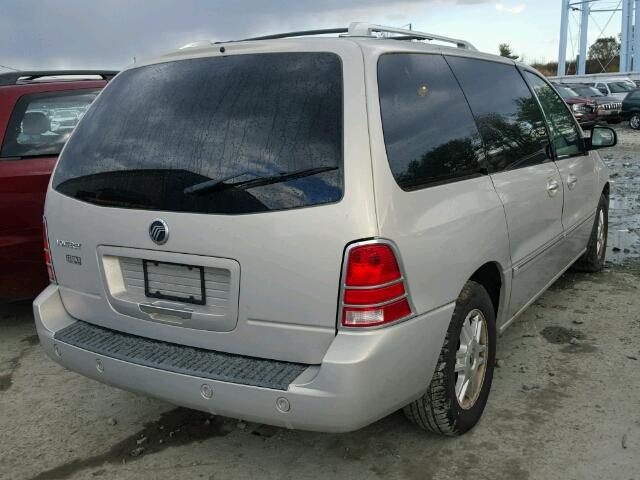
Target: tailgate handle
(174, 312)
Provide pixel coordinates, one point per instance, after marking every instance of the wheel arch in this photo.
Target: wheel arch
(489, 275)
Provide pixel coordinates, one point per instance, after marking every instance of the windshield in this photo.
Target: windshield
(620, 87)
(237, 134)
(585, 91)
(566, 92)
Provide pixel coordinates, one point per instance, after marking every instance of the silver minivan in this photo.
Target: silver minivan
(316, 232)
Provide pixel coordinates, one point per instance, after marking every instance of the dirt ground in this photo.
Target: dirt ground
(565, 401)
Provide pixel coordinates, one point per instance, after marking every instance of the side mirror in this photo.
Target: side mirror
(601, 137)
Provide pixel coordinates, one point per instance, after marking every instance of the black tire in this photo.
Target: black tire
(438, 409)
(593, 260)
(634, 121)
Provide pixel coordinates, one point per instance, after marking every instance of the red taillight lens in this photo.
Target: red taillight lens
(371, 268)
(47, 252)
(371, 265)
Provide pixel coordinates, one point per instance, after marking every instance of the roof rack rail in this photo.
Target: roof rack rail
(361, 29)
(302, 33)
(16, 78)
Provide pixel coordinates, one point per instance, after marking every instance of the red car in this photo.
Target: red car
(584, 109)
(38, 111)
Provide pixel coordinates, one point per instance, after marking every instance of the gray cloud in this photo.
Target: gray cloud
(108, 33)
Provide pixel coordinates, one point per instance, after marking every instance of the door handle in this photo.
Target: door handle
(552, 187)
(571, 181)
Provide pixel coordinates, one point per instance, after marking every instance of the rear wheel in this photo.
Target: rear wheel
(460, 386)
(593, 258)
(634, 121)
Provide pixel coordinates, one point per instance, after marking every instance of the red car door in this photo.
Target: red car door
(36, 118)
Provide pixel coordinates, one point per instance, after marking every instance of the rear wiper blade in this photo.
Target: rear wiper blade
(216, 185)
(209, 184)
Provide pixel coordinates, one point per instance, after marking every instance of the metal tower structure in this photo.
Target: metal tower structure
(629, 34)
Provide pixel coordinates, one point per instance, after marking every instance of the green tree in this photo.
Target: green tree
(604, 50)
(505, 51)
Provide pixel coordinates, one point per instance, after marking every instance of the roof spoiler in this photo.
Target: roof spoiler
(20, 77)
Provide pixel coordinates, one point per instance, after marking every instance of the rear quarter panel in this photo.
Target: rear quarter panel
(23, 184)
(444, 233)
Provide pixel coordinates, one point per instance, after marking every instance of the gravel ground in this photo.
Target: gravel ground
(565, 401)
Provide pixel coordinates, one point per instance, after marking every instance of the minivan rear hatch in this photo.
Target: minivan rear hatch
(211, 199)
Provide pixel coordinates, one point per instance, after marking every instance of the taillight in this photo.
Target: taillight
(374, 291)
(47, 252)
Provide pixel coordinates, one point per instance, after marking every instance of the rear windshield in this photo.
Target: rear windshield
(41, 123)
(228, 135)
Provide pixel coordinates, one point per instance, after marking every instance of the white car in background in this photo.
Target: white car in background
(614, 87)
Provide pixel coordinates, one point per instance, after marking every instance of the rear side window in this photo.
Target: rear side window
(566, 137)
(41, 123)
(508, 116)
(602, 88)
(429, 132)
(228, 135)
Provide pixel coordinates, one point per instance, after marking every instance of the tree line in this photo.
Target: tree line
(603, 56)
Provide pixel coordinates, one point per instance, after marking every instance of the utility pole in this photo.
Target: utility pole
(636, 40)
(629, 33)
(625, 30)
(564, 27)
(584, 29)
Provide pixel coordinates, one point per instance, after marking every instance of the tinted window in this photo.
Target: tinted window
(508, 115)
(566, 137)
(620, 87)
(236, 134)
(41, 123)
(429, 132)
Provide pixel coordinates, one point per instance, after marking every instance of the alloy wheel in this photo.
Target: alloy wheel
(471, 359)
(600, 234)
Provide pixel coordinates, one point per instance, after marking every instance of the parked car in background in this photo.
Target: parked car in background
(631, 109)
(608, 108)
(614, 87)
(38, 111)
(584, 109)
(316, 232)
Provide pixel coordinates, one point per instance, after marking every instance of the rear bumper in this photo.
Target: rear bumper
(363, 377)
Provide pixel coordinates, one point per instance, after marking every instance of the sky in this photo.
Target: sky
(44, 34)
